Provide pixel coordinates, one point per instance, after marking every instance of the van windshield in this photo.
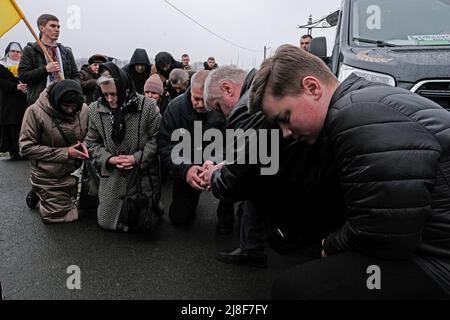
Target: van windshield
(401, 22)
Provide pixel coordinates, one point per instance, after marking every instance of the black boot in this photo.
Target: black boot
(32, 199)
(14, 156)
(254, 258)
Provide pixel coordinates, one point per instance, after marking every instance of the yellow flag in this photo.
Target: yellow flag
(10, 15)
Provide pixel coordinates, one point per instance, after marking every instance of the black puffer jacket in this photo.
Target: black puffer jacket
(391, 150)
(180, 114)
(32, 69)
(139, 57)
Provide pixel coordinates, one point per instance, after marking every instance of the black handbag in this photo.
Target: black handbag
(139, 212)
(90, 182)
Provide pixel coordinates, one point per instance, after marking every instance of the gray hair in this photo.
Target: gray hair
(178, 75)
(216, 77)
(199, 78)
(104, 80)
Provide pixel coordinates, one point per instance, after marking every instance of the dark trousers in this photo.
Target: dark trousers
(252, 229)
(346, 276)
(285, 226)
(184, 203)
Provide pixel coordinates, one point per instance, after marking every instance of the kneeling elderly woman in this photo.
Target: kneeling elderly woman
(51, 137)
(122, 140)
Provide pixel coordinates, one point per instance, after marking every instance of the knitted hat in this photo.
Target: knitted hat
(154, 84)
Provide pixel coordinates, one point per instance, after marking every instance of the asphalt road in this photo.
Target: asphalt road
(173, 264)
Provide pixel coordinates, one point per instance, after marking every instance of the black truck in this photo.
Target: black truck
(404, 43)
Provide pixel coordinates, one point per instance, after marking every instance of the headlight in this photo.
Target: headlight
(345, 71)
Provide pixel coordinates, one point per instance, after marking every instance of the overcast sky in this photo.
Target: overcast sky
(117, 27)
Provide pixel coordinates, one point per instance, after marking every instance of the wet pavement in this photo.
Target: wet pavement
(173, 263)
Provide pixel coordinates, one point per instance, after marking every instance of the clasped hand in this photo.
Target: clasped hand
(78, 151)
(123, 162)
(199, 178)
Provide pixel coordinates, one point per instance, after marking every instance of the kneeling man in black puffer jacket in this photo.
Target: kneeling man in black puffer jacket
(389, 152)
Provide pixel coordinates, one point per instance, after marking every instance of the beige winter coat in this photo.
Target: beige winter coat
(51, 168)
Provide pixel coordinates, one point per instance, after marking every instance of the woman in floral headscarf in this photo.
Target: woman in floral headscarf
(13, 102)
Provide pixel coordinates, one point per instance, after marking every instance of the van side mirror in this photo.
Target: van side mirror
(318, 47)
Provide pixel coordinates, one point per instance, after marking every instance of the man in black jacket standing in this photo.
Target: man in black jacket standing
(389, 150)
(186, 114)
(35, 70)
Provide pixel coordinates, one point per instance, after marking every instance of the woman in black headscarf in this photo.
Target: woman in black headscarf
(122, 136)
(51, 137)
(13, 101)
(164, 64)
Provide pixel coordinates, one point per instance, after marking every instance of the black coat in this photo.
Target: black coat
(206, 66)
(180, 114)
(391, 153)
(239, 182)
(32, 69)
(13, 102)
(172, 92)
(139, 57)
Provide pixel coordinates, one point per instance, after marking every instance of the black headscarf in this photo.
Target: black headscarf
(66, 91)
(163, 59)
(127, 99)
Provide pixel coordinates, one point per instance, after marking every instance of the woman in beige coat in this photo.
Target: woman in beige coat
(51, 137)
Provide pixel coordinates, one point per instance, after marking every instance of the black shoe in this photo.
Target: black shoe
(14, 156)
(32, 199)
(84, 213)
(224, 229)
(244, 257)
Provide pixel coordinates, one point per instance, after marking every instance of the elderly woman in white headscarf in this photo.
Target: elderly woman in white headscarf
(13, 102)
